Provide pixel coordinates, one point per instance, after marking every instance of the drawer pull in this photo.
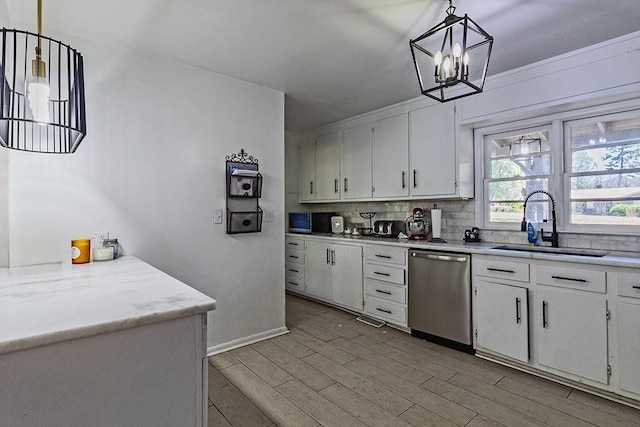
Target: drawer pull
(571, 279)
(293, 256)
(293, 283)
(500, 270)
(636, 286)
(381, 274)
(518, 310)
(383, 292)
(383, 256)
(384, 311)
(291, 243)
(295, 271)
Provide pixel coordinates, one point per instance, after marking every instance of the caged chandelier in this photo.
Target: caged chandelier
(42, 103)
(451, 56)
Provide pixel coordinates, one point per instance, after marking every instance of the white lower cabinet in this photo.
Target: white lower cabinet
(502, 319)
(629, 347)
(572, 333)
(333, 272)
(385, 280)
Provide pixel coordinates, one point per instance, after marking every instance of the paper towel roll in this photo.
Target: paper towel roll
(436, 223)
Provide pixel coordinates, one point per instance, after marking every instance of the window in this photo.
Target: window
(590, 163)
(517, 164)
(603, 164)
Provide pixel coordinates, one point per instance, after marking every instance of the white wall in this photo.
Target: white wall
(151, 172)
(4, 178)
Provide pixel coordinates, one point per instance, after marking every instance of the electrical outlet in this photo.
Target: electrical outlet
(217, 216)
(100, 237)
(268, 215)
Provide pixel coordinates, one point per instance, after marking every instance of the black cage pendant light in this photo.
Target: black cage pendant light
(41, 93)
(451, 59)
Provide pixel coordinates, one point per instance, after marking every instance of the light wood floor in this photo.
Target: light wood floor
(334, 371)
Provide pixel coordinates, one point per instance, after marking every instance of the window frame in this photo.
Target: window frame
(559, 180)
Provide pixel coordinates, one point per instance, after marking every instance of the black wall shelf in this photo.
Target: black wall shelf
(243, 188)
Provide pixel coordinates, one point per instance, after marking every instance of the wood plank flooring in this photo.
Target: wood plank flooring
(334, 371)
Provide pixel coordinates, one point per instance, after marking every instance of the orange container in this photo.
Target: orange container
(80, 251)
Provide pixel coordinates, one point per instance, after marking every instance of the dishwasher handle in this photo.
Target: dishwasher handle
(440, 257)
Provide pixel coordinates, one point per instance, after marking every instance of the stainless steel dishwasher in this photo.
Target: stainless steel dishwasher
(440, 297)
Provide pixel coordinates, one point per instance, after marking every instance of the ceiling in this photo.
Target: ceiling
(332, 58)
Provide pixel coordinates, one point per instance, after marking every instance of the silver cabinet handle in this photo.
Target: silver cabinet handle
(571, 279)
(447, 258)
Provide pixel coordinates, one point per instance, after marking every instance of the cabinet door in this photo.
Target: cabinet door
(502, 319)
(346, 276)
(307, 171)
(629, 347)
(391, 157)
(356, 162)
(572, 333)
(328, 167)
(317, 267)
(433, 151)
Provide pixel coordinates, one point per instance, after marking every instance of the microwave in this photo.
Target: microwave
(310, 222)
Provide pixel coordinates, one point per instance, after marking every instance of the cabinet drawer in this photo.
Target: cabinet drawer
(511, 270)
(573, 278)
(384, 273)
(294, 269)
(294, 243)
(385, 291)
(394, 312)
(294, 283)
(629, 285)
(295, 256)
(386, 255)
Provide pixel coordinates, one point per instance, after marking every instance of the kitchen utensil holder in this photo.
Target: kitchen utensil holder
(243, 189)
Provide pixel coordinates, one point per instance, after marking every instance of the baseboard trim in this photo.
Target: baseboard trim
(241, 342)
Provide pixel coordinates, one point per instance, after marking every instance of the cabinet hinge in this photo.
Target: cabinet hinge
(455, 108)
(609, 370)
(475, 291)
(608, 315)
(476, 333)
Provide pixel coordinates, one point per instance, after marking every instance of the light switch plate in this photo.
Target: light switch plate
(217, 216)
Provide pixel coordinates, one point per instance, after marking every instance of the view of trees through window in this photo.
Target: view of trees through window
(605, 171)
(519, 163)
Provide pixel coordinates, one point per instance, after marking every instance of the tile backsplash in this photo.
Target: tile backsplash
(459, 216)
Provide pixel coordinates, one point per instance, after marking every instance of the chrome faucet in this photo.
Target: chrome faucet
(549, 237)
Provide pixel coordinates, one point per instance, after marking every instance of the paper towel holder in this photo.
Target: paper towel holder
(436, 223)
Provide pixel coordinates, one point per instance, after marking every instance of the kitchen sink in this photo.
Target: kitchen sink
(550, 250)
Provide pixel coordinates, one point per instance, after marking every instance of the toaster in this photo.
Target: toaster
(388, 228)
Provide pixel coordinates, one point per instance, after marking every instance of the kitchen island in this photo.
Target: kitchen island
(111, 343)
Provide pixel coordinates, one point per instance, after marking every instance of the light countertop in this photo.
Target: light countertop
(46, 304)
(612, 258)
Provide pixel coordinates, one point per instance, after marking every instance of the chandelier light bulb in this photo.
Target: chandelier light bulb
(447, 66)
(457, 50)
(465, 59)
(438, 58)
(38, 95)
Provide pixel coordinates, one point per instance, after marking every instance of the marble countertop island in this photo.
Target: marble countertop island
(46, 304)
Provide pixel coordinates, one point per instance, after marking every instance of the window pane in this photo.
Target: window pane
(610, 186)
(505, 212)
(606, 212)
(519, 144)
(516, 190)
(617, 157)
(539, 164)
(604, 133)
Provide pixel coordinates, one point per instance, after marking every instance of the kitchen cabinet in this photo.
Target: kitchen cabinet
(328, 167)
(572, 333)
(307, 171)
(333, 272)
(294, 254)
(432, 151)
(502, 319)
(391, 157)
(629, 347)
(356, 162)
(385, 280)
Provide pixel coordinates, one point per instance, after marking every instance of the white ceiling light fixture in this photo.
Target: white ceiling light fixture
(451, 59)
(39, 111)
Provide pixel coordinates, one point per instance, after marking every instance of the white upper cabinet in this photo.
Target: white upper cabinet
(356, 162)
(391, 157)
(307, 171)
(433, 151)
(328, 167)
